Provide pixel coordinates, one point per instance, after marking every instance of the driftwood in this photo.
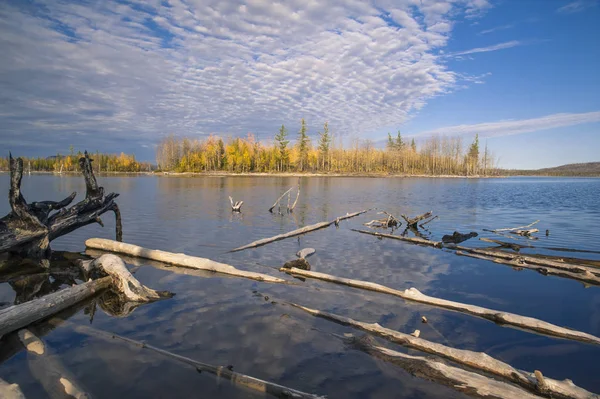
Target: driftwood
(512, 228)
(291, 209)
(297, 232)
(476, 360)
(457, 238)
(413, 240)
(57, 381)
(305, 253)
(519, 263)
(389, 221)
(431, 369)
(428, 221)
(176, 259)
(10, 391)
(497, 316)
(524, 233)
(29, 228)
(237, 379)
(111, 272)
(237, 206)
(279, 200)
(414, 221)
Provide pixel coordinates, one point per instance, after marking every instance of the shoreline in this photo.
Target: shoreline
(296, 174)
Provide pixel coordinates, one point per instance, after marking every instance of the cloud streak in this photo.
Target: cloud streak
(512, 127)
(495, 47)
(497, 28)
(108, 73)
(576, 6)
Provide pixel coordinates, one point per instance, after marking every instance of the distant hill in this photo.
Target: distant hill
(572, 169)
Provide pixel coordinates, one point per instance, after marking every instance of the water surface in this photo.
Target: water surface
(246, 324)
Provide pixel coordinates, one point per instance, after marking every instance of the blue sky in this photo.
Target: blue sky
(119, 76)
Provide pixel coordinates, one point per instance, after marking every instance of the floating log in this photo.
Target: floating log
(237, 206)
(497, 316)
(584, 270)
(176, 259)
(525, 233)
(413, 240)
(514, 246)
(111, 272)
(29, 228)
(291, 209)
(10, 391)
(518, 246)
(428, 368)
(305, 253)
(57, 381)
(512, 228)
(237, 379)
(428, 221)
(519, 263)
(279, 199)
(389, 221)
(414, 221)
(457, 238)
(297, 232)
(477, 360)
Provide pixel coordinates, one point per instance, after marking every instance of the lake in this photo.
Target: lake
(247, 324)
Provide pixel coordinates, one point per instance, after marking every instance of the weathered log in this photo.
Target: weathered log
(237, 379)
(518, 263)
(291, 209)
(413, 240)
(389, 221)
(428, 368)
(176, 259)
(511, 228)
(237, 206)
(29, 228)
(525, 233)
(10, 391)
(279, 199)
(518, 246)
(57, 381)
(477, 360)
(457, 238)
(422, 225)
(414, 221)
(584, 270)
(297, 232)
(514, 246)
(16, 317)
(497, 316)
(109, 270)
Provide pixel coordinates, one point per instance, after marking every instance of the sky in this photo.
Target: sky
(121, 75)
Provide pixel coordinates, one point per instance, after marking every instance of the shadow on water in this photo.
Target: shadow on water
(246, 324)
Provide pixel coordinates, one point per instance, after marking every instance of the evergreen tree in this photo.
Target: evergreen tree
(399, 142)
(473, 155)
(390, 143)
(413, 145)
(282, 142)
(303, 143)
(324, 141)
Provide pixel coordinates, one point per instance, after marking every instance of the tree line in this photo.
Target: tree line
(70, 163)
(433, 156)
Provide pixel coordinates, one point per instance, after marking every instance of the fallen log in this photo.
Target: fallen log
(237, 206)
(496, 316)
(584, 270)
(512, 228)
(518, 246)
(111, 272)
(57, 381)
(518, 263)
(414, 221)
(428, 368)
(29, 228)
(477, 360)
(291, 209)
(297, 232)
(237, 379)
(413, 240)
(525, 233)
(389, 221)
(10, 391)
(176, 259)
(422, 225)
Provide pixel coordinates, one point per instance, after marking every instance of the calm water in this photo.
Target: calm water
(229, 321)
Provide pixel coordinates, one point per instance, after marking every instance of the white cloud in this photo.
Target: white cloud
(576, 6)
(495, 47)
(135, 71)
(495, 29)
(511, 127)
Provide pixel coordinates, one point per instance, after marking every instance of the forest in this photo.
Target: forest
(69, 163)
(433, 156)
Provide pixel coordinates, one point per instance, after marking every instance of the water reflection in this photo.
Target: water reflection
(229, 321)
